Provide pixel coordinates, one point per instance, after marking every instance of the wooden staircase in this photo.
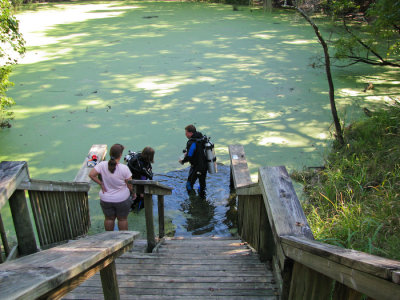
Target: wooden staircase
(188, 268)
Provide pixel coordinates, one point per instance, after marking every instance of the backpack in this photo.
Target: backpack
(137, 167)
(200, 157)
(134, 164)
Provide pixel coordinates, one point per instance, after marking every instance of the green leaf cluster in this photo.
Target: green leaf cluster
(371, 36)
(385, 16)
(340, 8)
(11, 45)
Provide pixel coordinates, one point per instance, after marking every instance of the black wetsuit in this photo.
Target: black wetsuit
(198, 163)
(141, 170)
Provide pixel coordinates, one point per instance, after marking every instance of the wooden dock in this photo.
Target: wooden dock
(188, 268)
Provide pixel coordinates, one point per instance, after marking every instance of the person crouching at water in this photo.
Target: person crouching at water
(198, 161)
(115, 194)
(142, 170)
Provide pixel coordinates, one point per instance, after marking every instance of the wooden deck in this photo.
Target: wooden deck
(188, 268)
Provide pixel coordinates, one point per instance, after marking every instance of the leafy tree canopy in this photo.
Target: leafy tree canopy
(11, 40)
(374, 38)
(11, 44)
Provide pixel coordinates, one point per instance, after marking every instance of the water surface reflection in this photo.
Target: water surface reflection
(192, 215)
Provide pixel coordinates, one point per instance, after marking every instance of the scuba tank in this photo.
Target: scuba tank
(210, 155)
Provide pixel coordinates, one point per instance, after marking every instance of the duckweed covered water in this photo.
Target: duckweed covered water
(138, 72)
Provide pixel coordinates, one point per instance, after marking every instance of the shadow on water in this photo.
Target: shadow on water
(191, 215)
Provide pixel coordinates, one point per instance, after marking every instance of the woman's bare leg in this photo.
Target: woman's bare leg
(109, 223)
(122, 223)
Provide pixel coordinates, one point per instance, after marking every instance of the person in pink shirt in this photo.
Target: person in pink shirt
(115, 193)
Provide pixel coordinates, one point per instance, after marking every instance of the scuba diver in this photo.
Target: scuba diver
(195, 155)
(140, 166)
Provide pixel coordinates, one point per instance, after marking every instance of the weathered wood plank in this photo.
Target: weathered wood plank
(283, 207)
(209, 241)
(83, 174)
(172, 284)
(285, 213)
(249, 190)
(71, 284)
(371, 285)
(151, 187)
(396, 276)
(267, 245)
(132, 265)
(109, 282)
(193, 272)
(4, 239)
(161, 224)
(12, 173)
(148, 207)
(166, 297)
(22, 223)
(203, 275)
(241, 175)
(309, 284)
(364, 262)
(200, 261)
(131, 275)
(53, 186)
(49, 269)
(344, 292)
(199, 238)
(205, 292)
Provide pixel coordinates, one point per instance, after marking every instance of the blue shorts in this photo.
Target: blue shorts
(116, 209)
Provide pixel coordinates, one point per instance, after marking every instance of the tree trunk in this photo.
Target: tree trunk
(339, 134)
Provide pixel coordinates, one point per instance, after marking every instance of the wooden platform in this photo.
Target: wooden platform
(194, 268)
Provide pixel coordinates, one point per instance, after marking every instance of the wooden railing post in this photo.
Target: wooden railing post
(4, 238)
(22, 223)
(148, 207)
(150, 188)
(109, 282)
(161, 229)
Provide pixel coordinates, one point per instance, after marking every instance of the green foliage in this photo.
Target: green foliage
(340, 7)
(5, 102)
(386, 15)
(354, 201)
(372, 37)
(11, 45)
(10, 38)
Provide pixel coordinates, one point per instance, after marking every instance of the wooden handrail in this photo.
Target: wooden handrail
(53, 186)
(355, 260)
(12, 173)
(304, 268)
(60, 209)
(369, 274)
(150, 188)
(52, 273)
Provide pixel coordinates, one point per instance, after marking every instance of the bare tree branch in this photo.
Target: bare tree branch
(336, 121)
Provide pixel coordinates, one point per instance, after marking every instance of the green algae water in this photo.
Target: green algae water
(136, 73)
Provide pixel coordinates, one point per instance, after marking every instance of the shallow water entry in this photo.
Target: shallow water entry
(192, 215)
(112, 72)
